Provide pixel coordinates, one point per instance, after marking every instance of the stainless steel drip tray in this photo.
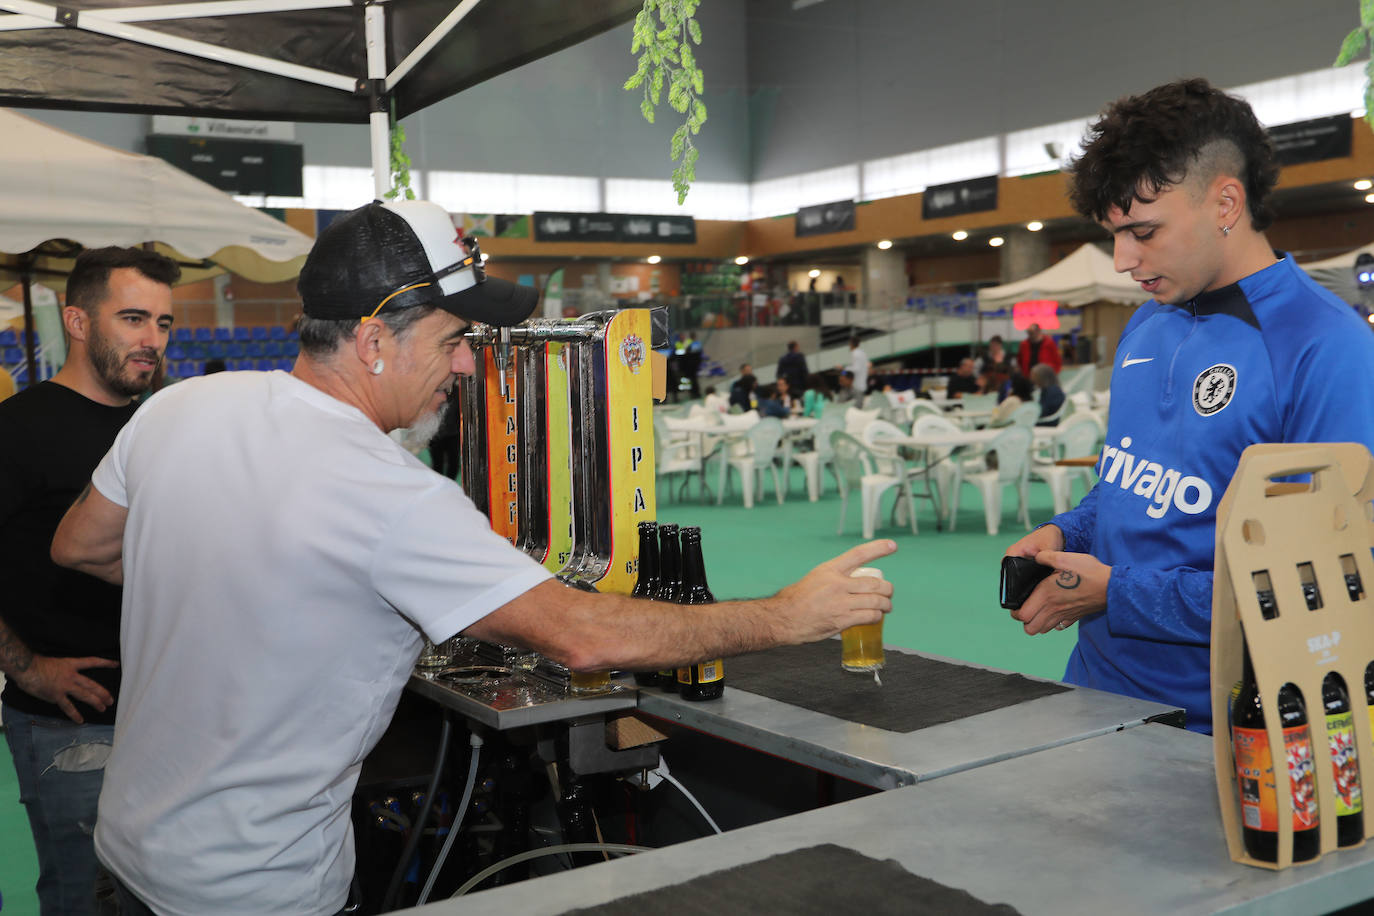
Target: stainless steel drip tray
(502, 697)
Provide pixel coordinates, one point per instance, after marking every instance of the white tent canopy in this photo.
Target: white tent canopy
(54, 185)
(1338, 274)
(1083, 277)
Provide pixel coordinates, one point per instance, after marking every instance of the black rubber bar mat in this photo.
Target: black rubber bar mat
(816, 881)
(916, 692)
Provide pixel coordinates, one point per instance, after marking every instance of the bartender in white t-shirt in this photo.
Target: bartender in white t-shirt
(281, 556)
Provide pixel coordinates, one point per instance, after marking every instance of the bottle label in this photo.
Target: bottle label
(1340, 732)
(1255, 776)
(684, 675)
(710, 672)
(1297, 744)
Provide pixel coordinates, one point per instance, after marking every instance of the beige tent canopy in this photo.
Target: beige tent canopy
(1084, 277)
(1338, 274)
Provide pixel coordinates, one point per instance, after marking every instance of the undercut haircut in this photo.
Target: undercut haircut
(320, 337)
(89, 283)
(1145, 144)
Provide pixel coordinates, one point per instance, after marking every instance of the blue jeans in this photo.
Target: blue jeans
(60, 766)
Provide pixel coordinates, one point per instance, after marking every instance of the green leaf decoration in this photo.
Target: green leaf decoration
(400, 162)
(1354, 44)
(1367, 12)
(663, 35)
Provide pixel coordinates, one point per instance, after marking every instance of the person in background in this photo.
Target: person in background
(963, 381)
(817, 393)
(713, 401)
(59, 629)
(847, 394)
(1020, 391)
(1038, 348)
(742, 392)
(1051, 395)
(792, 366)
(737, 395)
(1236, 346)
(860, 367)
(770, 404)
(996, 368)
(268, 650)
(213, 365)
(786, 396)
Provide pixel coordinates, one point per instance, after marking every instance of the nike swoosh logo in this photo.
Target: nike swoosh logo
(1131, 362)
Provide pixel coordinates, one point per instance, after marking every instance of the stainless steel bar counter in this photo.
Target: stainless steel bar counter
(886, 759)
(1124, 823)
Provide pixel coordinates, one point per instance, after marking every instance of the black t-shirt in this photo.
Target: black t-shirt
(52, 440)
(962, 384)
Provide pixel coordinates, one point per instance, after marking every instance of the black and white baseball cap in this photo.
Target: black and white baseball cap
(400, 254)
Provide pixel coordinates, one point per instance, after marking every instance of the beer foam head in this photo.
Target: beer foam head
(872, 572)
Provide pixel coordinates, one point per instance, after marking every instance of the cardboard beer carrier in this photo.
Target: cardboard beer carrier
(1267, 526)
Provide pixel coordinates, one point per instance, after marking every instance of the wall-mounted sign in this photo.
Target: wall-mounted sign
(960, 197)
(825, 218)
(236, 166)
(614, 227)
(224, 129)
(1312, 141)
(1044, 312)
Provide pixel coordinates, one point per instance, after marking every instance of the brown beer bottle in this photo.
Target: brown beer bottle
(646, 586)
(669, 586)
(704, 680)
(1345, 766)
(1255, 772)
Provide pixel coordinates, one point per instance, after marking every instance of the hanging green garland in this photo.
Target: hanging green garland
(1360, 39)
(667, 55)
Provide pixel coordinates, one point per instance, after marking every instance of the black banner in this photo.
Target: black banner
(960, 197)
(235, 166)
(670, 230)
(825, 218)
(1312, 141)
(614, 227)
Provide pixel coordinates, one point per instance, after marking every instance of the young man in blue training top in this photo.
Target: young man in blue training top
(1237, 346)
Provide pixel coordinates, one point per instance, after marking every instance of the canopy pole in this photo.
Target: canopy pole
(379, 122)
(29, 332)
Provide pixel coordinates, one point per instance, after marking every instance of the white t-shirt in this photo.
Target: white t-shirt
(858, 364)
(279, 553)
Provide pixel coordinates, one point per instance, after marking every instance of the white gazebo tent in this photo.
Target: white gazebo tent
(1338, 274)
(1085, 279)
(60, 193)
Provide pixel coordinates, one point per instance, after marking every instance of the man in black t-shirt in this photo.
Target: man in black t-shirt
(59, 629)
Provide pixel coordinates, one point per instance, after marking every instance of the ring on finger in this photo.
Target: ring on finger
(1063, 626)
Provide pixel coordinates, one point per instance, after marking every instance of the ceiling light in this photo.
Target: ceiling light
(960, 235)
(1369, 198)
(885, 244)
(742, 260)
(1370, 319)
(996, 241)
(1035, 225)
(813, 273)
(1364, 184)
(654, 259)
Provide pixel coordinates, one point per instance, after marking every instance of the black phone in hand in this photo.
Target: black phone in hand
(1020, 576)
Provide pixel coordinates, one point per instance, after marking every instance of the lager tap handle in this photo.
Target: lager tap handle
(502, 357)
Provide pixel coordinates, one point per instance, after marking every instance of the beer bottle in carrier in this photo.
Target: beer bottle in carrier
(1345, 765)
(669, 586)
(704, 680)
(646, 586)
(1255, 772)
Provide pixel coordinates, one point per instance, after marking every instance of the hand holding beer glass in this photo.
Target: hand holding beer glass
(863, 645)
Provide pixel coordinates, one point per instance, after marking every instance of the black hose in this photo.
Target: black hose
(417, 829)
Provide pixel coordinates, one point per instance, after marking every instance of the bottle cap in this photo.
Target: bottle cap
(871, 572)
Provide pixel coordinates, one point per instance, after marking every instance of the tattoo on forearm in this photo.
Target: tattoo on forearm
(1067, 580)
(85, 491)
(15, 657)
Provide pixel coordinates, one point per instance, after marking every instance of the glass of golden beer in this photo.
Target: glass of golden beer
(585, 682)
(862, 646)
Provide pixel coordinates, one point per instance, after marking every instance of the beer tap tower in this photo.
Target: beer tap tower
(557, 442)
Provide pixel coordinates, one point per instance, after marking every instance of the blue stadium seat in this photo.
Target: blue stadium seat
(238, 349)
(181, 335)
(20, 373)
(276, 332)
(286, 365)
(224, 334)
(272, 348)
(259, 332)
(293, 334)
(176, 351)
(266, 365)
(8, 338)
(293, 347)
(204, 335)
(219, 349)
(254, 349)
(242, 334)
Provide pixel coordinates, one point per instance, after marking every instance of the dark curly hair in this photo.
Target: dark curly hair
(1146, 143)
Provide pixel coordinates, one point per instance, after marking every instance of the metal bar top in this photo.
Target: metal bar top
(519, 700)
(1125, 823)
(884, 759)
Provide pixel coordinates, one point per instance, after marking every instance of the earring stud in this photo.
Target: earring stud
(377, 367)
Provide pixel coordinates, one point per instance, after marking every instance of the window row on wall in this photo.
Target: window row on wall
(1040, 149)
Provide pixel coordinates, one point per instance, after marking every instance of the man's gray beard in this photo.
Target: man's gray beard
(416, 437)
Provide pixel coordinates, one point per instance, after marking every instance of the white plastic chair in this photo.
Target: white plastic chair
(1012, 446)
(937, 462)
(672, 457)
(821, 454)
(760, 443)
(1079, 437)
(857, 469)
(855, 420)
